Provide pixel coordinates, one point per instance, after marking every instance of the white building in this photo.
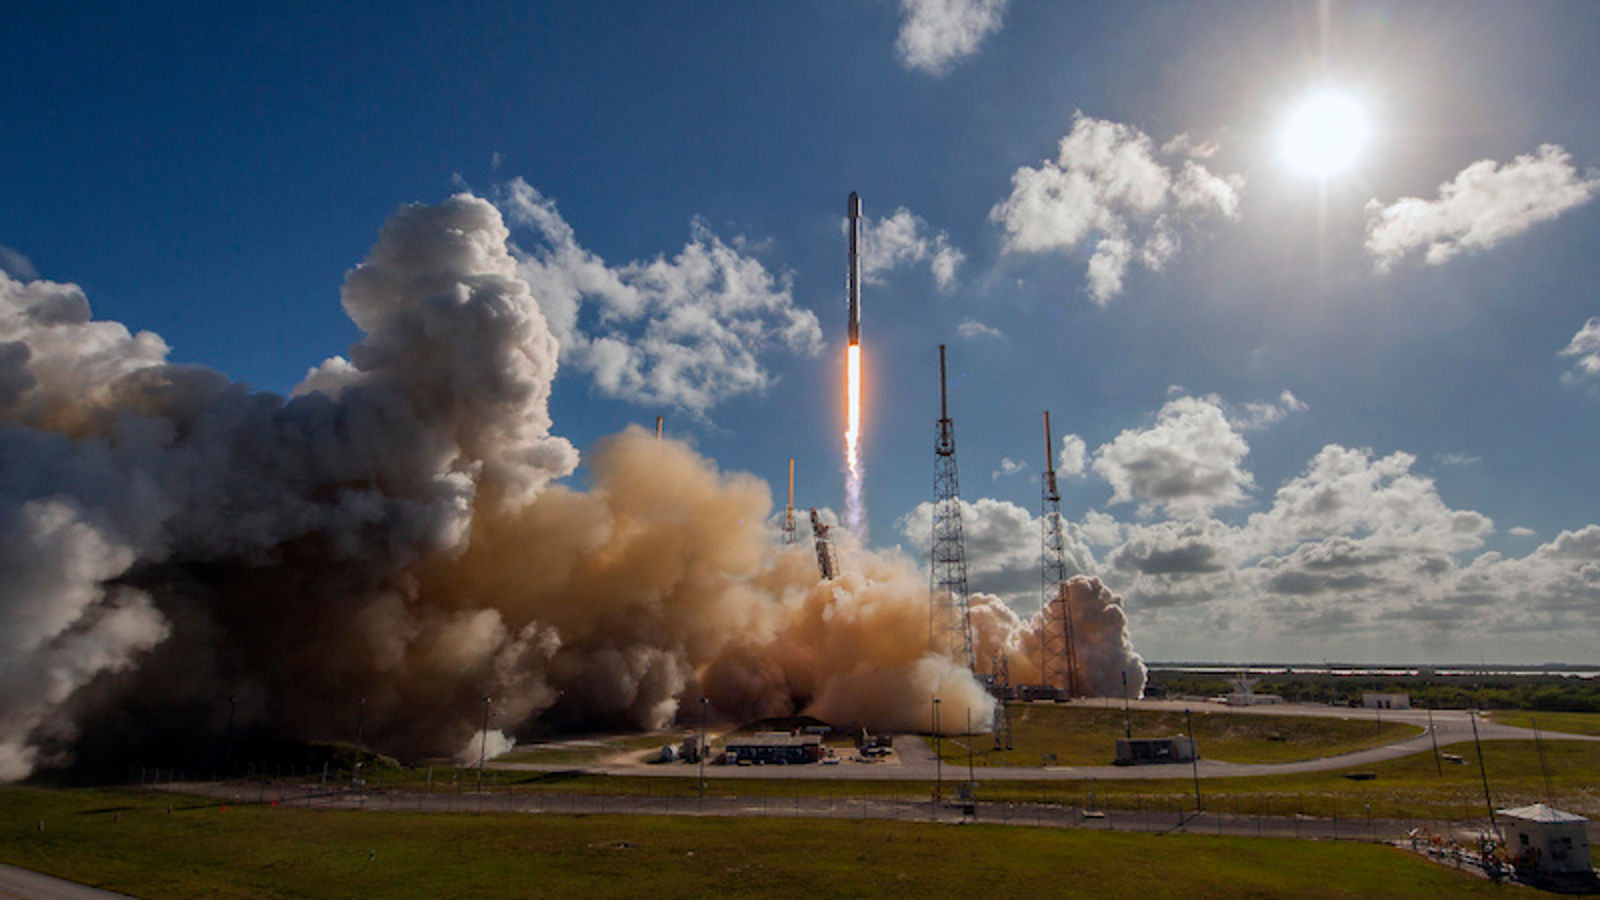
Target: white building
(1373, 700)
(1547, 840)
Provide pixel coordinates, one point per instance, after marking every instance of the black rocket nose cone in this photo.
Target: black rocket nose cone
(854, 207)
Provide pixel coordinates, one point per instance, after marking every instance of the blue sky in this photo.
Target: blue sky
(211, 173)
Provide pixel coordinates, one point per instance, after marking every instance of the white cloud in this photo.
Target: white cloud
(1008, 467)
(1188, 462)
(972, 328)
(937, 34)
(13, 263)
(1585, 345)
(1457, 459)
(684, 331)
(1107, 186)
(903, 239)
(1072, 455)
(1521, 531)
(1256, 416)
(1483, 205)
(1002, 545)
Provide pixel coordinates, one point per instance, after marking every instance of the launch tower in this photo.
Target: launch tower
(949, 625)
(1059, 663)
(825, 560)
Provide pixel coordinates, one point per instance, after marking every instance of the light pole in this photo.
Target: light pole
(1127, 716)
(1194, 758)
(969, 754)
(232, 702)
(700, 751)
(938, 756)
(483, 743)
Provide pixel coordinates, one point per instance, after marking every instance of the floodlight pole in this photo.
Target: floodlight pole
(938, 755)
(969, 754)
(1483, 771)
(1432, 732)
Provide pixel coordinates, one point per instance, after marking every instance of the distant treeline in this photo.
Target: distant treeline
(1551, 693)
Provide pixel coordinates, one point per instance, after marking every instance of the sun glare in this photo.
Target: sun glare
(1324, 135)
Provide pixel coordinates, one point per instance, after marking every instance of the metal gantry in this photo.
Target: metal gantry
(1000, 666)
(1059, 665)
(825, 558)
(949, 625)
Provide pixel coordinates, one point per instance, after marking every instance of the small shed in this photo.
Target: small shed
(775, 748)
(1547, 840)
(1376, 700)
(1146, 751)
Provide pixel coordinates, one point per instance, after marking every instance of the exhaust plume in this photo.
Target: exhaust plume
(377, 552)
(1101, 640)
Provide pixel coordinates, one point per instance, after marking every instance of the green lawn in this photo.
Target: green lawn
(1565, 722)
(128, 841)
(580, 751)
(1409, 787)
(1086, 736)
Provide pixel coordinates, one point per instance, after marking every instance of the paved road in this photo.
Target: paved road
(914, 760)
(26, 884)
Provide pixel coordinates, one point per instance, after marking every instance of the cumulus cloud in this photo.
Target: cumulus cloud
(1256, 416)
(904, 239)
(1585, 350)
(687, 331)
(1188, 463)
(1003, 542)
(1484, 204)
(937, 34)
(13, 263)
(1111, 188)
(972, 328)
(1008, 467)
(1072, 455)
(1521, 531)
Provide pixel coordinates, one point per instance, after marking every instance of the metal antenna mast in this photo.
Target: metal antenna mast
(1000, 666)
(1059, 665)
(949, 626)
(789, 534)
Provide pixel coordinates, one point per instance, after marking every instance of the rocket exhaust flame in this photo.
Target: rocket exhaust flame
(854, 508)
(854, 501)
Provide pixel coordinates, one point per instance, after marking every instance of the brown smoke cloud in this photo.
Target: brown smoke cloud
(386, 547)
(1101, 641)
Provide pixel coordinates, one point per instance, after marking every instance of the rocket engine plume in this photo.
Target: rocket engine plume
(854, 500)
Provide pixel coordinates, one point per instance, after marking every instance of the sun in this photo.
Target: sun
(1324, 135)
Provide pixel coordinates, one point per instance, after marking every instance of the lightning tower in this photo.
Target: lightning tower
(949, 625)
(1059, 664)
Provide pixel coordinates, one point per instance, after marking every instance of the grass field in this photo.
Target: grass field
(1086, 736)
(128, 841)
(1411, 787)
(579, 751)
(1566, 722)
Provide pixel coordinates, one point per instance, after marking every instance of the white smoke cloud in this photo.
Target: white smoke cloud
(685, 331)
(903, 239)
(1188, 463)
(1008, 467)
(1484, 204)
(1003, 543)
(937, 34)
(1256, 416)
(1107, 186)
(1585, 348)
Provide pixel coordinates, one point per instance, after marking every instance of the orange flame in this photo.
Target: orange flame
(852, 438)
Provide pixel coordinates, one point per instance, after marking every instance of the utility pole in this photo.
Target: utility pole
(700, 751)
(938, 755)
(1127, 714)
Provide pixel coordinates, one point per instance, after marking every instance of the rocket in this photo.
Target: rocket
(853, 286)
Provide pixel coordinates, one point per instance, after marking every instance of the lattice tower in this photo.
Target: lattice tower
(949, 625)
(1000, 665)
(1059, 664)
(825, 558)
